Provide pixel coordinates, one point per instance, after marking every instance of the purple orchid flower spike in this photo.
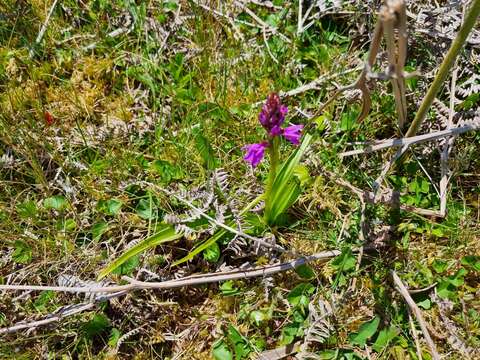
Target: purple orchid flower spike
(255, 153)
(293, 133)
(271, 118)
(273, 114)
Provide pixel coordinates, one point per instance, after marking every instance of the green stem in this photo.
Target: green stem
(445, 67)
(273, 150)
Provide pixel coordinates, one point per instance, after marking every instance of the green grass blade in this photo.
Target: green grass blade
(165, 235)
(217, 236)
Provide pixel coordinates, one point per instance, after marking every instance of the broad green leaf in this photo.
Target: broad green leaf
(305, 272)
(43, 299)
(257, 317)
(302, 174)
(114, 336)
(426, 304)
(328, 354)
(300, 294)
(146, 209)
(96, 326)
(471, 261)
(22, 253)
(27, 209)
(239, 343)
(446, 290)
(439, 266)
(228, 288)
(290, 332)
(345, 261)
(457, 279)
(110, 207)
(66, 225)
(56, 202)
(98, 229)
(285, 189)
(384, 338)
(221, 351)
(365, 332)
(166, 234)
(127, 267)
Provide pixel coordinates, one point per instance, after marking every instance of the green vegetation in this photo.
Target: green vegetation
(121, 137)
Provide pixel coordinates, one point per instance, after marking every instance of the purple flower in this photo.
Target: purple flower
(293, 133)
(273, 114)
(272, 117)
(255, 152)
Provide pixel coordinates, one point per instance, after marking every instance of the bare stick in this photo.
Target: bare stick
(416, 311)
(446, 149)
(312, 85)
(395, 12)
(407, 141)
(315, 84)
(62, 313)
(170, 284)
(186, 281)
(43, 29)
(265, 40)
(300, 20)
(415, 336)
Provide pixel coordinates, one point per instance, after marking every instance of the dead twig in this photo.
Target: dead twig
(393, 15)
(60, 314)
(119, 290)
(407, 141)
(415, 336)
(416, 311)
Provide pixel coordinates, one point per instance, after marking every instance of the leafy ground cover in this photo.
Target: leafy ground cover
(122, 134)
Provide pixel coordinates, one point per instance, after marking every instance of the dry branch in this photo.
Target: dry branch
(416, 311)
(407, 141)
(119, 290)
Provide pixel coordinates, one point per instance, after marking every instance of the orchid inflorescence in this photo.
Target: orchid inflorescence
(271, 118)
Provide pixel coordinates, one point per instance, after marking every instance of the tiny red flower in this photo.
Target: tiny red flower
(49, 119)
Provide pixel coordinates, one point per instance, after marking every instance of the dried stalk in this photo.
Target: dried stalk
(186, 281)
(394, 15)
(407, 141)
(416, 311)
(262, 23)
(446, 149)
(119, 290)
